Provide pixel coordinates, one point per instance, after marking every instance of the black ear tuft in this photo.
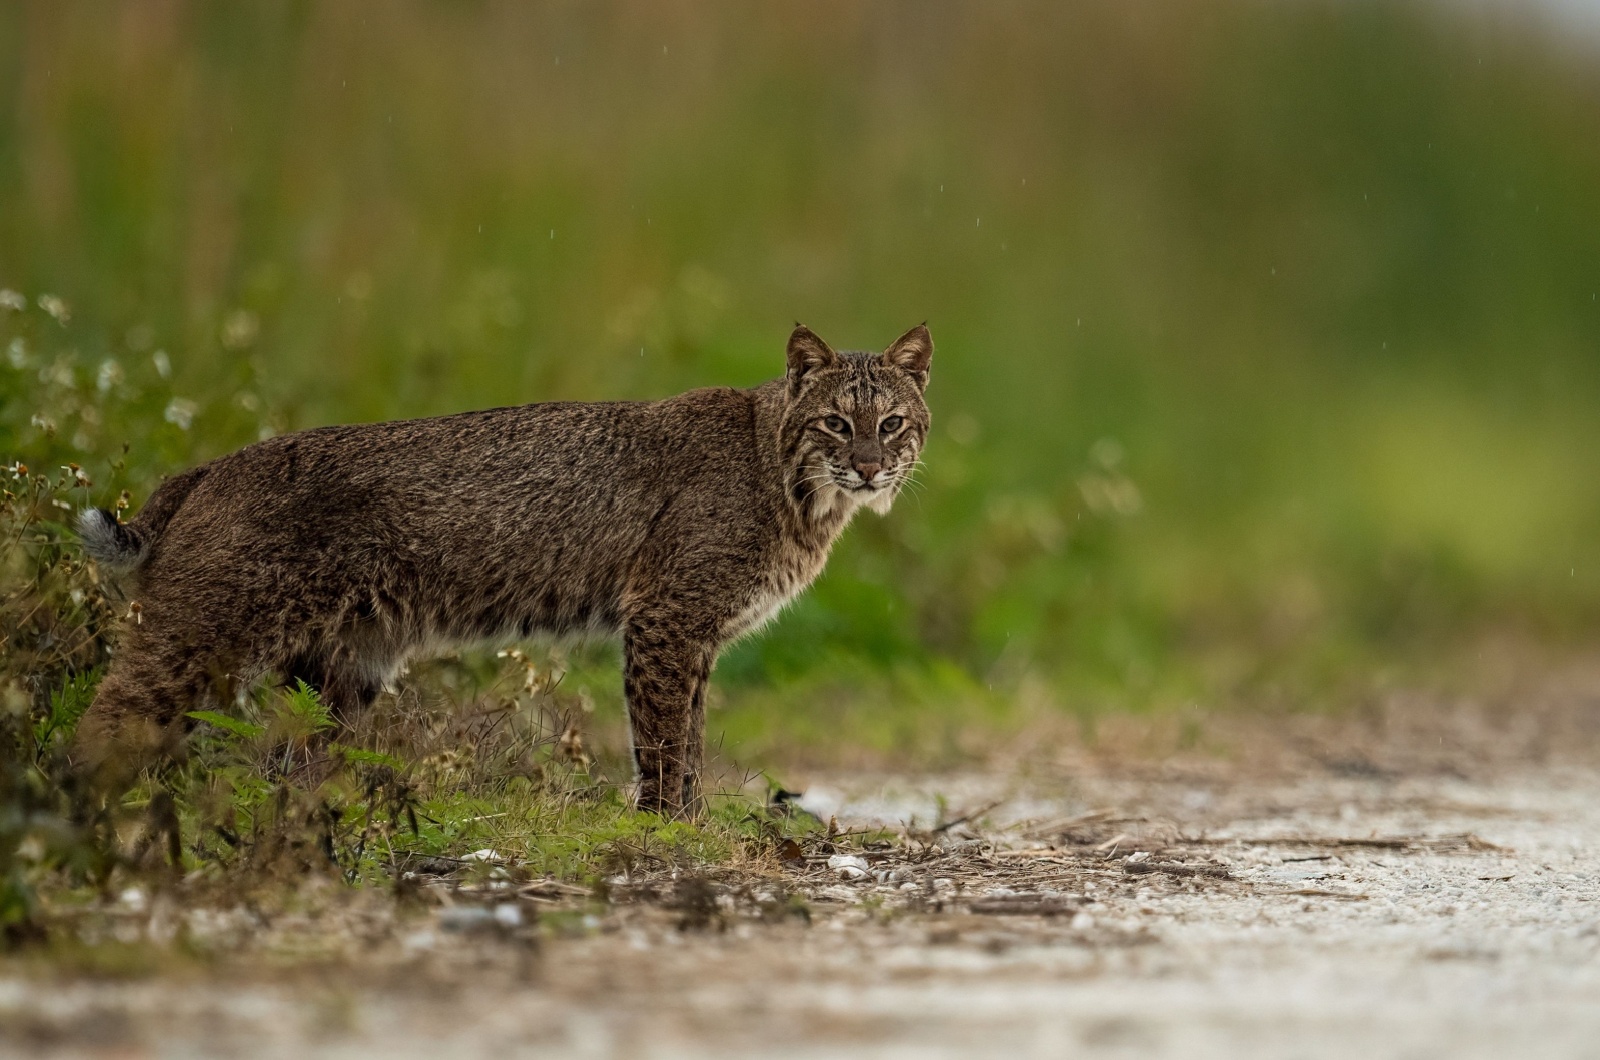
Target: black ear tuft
(912, 352)
(807, 352)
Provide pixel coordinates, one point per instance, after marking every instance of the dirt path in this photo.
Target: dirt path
(1407, 917)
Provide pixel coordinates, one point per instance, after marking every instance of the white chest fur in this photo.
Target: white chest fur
(776, 590)
(799, 566)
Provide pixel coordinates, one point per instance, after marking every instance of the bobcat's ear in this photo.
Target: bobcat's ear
(912, 352)
(807, 352)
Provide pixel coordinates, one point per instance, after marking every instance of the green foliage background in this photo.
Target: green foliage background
(1268, 334)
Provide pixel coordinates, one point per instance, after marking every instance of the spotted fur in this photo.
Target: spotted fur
(334, 555)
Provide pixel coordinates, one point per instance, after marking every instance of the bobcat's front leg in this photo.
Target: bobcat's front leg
(664, 676)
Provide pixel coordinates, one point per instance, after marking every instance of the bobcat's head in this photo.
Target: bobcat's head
(855, 422)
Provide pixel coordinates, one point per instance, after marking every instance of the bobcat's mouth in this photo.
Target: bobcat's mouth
(850, 481)
(860, 485)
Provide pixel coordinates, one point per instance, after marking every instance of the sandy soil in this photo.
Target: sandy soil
(1126, 913)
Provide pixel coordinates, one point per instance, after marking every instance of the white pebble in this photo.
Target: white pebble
(849, 867)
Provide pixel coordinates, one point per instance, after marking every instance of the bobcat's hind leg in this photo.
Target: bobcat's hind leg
(138, 713)
(664, 676)
(345, 684)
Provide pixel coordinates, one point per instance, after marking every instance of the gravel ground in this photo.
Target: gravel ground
(1120, 915)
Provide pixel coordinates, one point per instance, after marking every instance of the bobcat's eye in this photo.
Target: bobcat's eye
(837, 424)
(891, 424)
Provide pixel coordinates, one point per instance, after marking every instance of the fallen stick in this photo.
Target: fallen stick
(1109, 847)
(1145, 867)
(964, 818)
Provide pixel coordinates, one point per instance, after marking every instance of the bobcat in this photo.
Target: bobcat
(334, 554)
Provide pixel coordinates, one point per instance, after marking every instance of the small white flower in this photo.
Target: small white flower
(57, 307)
(181, 411)
(12, 300)
(110, 375)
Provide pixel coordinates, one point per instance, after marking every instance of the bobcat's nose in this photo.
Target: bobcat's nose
(868, 471)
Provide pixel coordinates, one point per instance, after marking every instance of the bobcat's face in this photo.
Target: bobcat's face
(856, 421)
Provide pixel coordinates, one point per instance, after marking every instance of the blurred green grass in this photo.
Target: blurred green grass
(1268, 334)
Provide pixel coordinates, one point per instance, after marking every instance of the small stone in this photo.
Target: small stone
(850, 868)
